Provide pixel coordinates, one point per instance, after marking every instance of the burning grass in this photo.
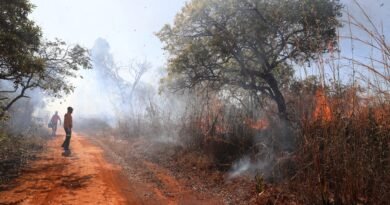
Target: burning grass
(344, 155)
(334, 150)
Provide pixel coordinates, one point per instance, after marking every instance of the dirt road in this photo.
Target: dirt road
(85, 176)
(80, 177)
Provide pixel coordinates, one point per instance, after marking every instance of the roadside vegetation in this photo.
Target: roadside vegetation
(245, 114)
(17, 151)
(259, 103)
(31, 69)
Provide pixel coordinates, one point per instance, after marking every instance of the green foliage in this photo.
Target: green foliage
(28, 62)
(249, 44)
(61, 62)
(19, 39)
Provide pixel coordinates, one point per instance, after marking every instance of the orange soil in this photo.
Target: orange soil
(83, 177)
(86, 177)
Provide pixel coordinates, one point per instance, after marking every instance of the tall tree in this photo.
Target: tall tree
(20, 38)
(250, 44)
(28, 62)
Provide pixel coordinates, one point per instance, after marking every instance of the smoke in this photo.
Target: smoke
(239, 167)
(103, 92)
(273, 145)
(111, 93)
(245, 166)
(93, 97)
(119, 95)
(280, 134)
(26, 112)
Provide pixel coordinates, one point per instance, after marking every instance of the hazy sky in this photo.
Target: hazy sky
(129, 25)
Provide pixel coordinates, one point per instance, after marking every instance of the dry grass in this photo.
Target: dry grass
(344, 159)
(17, 150)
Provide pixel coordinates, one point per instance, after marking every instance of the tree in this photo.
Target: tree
(126, 78)
(28, 62)
(19, 40)
(250, 44)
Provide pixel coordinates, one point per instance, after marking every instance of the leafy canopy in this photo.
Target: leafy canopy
(250, 44)
(28, 62)
(20, 38)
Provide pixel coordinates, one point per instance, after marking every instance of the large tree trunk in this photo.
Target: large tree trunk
(277, 95)
(286, 139)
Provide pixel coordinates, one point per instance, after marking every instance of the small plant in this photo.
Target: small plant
(259, 180)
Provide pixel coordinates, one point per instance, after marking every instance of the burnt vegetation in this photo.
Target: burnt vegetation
(238, 107)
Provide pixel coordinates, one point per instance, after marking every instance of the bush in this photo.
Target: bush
(219, 129)
(17, 149)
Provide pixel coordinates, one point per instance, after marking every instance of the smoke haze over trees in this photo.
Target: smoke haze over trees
(258, 102)
(28, 61)
(248, 44)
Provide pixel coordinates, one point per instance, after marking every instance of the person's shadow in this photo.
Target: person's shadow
(66, 153)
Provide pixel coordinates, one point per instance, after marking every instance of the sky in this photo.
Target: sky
(377, 10)
(129, 26)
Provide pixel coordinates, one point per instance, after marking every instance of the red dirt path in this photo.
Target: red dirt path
(86, 177)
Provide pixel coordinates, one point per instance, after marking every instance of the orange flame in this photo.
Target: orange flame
(260, 124)
(322, 109)
(213, 121)
(207, 123)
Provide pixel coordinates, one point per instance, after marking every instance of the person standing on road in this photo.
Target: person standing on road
(68, 128)
(53, 123)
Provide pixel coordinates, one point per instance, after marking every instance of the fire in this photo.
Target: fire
(215, 124)
(213, 121)
(322, 109)
(260, 124)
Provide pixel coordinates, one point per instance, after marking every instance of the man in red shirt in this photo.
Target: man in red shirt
(53, 122)
(68, 128)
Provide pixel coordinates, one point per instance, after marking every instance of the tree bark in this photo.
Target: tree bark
(4, 109)
(277, 95)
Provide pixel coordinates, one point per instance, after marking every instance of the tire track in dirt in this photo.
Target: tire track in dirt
(157, 182)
